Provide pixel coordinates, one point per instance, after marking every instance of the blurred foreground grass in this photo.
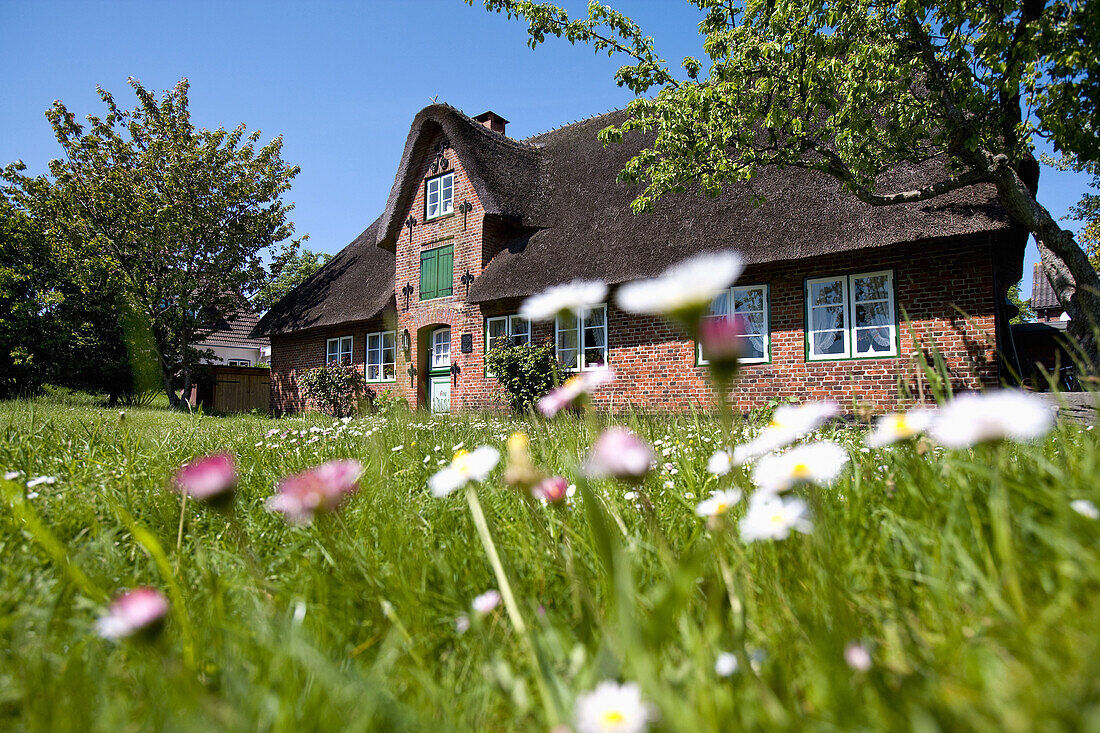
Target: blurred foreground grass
(966, 574)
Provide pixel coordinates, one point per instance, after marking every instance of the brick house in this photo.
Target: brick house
(476, 221)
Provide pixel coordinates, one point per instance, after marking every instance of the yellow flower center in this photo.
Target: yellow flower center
(721, 507)
(572, 382)
(900, 426)
(800, 470)
(613, 717)
(775, 424)
(776, 518)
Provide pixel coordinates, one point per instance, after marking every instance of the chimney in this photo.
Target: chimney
(492, 120)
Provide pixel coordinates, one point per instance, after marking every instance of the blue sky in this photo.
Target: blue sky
(340, 81)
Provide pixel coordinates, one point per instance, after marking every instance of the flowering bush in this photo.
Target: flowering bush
(335, 387)
(526, 372)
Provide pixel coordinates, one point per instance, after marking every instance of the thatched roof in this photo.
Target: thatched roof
(355, 285)
(591, 232)
(505, 173)
(570, 218)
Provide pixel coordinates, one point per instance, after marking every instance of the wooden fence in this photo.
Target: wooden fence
(235, 389)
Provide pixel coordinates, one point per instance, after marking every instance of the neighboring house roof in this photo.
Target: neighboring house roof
(1042, 292)
(355, 285)
(572, 219)
(235, 330)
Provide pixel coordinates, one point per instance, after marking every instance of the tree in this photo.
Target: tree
(1026, 314)
(1087, 209)
(25, 279)
(853, 87)
(172, 221)
(287, 271)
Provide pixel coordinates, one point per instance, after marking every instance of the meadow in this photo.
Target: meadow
(937, 589)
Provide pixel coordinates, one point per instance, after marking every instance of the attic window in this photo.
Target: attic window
(441, 195)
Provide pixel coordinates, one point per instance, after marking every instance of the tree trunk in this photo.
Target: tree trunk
(1065, 264)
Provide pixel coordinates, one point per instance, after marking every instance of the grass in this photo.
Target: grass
(966, 574)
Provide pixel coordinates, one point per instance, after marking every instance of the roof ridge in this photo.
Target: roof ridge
(492, 133)
(569, 124)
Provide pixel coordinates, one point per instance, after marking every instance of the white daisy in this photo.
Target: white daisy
(720, 463)
(726, 664)
(613, 708)
(486, 602)
(1085, 508)
(464, 467)
(1007, 414)
(814, 463)
(896, 427)
(788, 424)
(39, 480)
(686, 289)
(573, 297)
(771, 517)
(719, 502)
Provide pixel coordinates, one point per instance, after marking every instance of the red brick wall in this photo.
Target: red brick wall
(655, 362)
(293, 353)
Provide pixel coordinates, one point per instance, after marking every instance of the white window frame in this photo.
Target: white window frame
(510, 322)
(851, 328)
(581, 364)
(444, 204)
(379, 351)
(340, 342)
(238, 362)
(731, 299)
(435, 365)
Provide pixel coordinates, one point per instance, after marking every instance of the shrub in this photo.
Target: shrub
(335, 387)
(526, 372)
(389, 402)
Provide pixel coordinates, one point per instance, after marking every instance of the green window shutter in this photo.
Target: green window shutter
(445, 271)
(428, 263)
(437, 272)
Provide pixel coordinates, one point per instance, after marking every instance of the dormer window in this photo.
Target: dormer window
(441, 195)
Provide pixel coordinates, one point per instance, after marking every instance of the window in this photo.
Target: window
(437, 272)
(441, 195)
(339, 350)
(382, 356)
(851, 316)
(441, 348)
(581, 343)
(239, 362)
(751, 303)
(506, 327)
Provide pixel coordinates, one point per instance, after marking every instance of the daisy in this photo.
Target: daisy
(721, 341)
(814, 463)
(613, 708)
(896, 427)
(486, 602)
(686, 290)
(207, 479)
(857, 656)
(619, 453)
(574, 297)
(719, 502)
(317, 490)
(726, 664)
(1085, 508)
(720, 463)
(551, 490)
(788, 424)
(572, 389)
(1006, 414)
(133, 611)
(772, 517)
(466, 466)
(39, 480)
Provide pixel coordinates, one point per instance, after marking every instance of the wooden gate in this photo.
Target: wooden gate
(240, 389)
